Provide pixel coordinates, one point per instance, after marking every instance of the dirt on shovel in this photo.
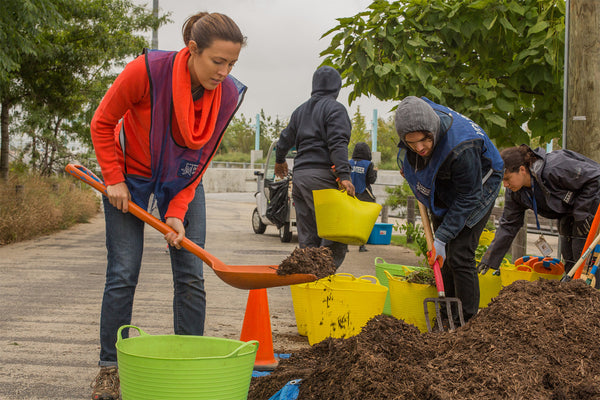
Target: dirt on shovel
(536, 341)
(309, 260)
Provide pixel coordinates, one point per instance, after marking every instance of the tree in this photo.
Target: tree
(20, 22)
(360, 133)
(239, 137)
(387, 140)
(497, 61)
(60, 84)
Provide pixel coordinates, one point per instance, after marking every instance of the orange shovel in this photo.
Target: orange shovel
(239, 276)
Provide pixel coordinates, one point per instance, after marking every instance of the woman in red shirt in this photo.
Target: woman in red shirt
(154, 133)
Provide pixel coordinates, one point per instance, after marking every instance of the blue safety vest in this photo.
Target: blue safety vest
(422, 182)
(174, 167)
(358, 174)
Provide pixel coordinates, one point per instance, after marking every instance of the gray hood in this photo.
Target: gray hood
(414, 114)
(326, 82)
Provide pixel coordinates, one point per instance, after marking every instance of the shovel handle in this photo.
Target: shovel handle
(437, 271)
(87, 176)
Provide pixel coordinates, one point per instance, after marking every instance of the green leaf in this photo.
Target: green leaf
(516, 8)
(496, 120)
(362, 60)
(507, 25)
(540, 26)
(382, 70)
(504, 105)
(489, 23)
(367, 45)
(479, 4)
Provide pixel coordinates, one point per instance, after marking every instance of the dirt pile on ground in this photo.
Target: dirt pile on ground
(309, 260)
(536, 340)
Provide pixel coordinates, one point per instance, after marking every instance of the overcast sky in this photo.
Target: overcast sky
(282, 51)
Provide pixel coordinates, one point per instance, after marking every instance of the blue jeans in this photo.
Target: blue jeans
(124, 243)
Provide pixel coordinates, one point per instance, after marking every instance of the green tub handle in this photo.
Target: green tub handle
(379, 260)
(119, 337)
(237, 351)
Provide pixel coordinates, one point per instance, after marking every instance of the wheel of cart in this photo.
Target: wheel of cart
(274, 204)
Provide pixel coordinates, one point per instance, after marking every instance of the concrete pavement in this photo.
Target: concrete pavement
(51, 290)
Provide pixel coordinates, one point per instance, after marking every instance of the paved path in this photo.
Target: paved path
(51, 289)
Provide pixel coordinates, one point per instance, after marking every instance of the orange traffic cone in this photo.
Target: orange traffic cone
(257, 326)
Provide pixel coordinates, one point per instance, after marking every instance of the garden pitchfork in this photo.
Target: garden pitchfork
(441, 300)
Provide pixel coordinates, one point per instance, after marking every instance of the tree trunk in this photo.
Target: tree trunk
(583, 90)
(4, 153)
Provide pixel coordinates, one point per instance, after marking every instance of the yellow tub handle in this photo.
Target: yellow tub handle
(390, 276)
(343, 274)
(369, 278)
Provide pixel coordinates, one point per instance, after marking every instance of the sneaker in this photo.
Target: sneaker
(106, 384)
(362, 248)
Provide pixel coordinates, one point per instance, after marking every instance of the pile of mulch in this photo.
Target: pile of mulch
(536, 340)
(309, 260)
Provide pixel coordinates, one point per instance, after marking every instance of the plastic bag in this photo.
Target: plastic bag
(277, 206)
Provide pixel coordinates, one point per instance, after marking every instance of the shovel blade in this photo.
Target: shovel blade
(249, 277)
(447, 303)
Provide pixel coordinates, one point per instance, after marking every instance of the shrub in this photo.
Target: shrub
(31, 206)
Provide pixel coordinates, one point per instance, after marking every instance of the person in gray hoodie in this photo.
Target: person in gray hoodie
(455, 170)
(320, 130)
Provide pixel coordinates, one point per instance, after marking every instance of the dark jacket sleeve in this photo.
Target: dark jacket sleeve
(466, 179)
(287, 139)
(371, 174)
(338, 128)
(510, 224)
(580, 177)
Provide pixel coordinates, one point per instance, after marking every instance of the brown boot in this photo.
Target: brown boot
(106, 384)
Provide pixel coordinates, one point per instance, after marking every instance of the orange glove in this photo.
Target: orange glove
(438, 253)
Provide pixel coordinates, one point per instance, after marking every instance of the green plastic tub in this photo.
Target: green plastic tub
(180, 367)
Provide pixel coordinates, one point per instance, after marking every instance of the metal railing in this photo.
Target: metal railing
(232, 164)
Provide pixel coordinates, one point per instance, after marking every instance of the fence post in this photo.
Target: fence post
(410, 215)
(385, 211)
(519, 245)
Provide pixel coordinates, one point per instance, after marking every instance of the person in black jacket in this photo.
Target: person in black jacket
(561, 185)
(363, 175)
(320, 130)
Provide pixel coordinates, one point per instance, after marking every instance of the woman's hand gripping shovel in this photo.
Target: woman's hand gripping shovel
(441, 300)
(239, 276)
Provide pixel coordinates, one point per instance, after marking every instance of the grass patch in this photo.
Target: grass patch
(32, 206)
(400, 240)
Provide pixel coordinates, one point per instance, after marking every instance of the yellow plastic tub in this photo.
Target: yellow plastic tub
(407, 301)
(511, 273)
(489, 287)
(343, 218)
(395, 270)
(338, 306)
(300, 301)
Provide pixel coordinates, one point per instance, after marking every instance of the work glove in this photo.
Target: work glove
(482, 268)
(582, 228)
(281, 169)
(437, 253)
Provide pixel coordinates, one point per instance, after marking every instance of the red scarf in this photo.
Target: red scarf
(195, 120)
